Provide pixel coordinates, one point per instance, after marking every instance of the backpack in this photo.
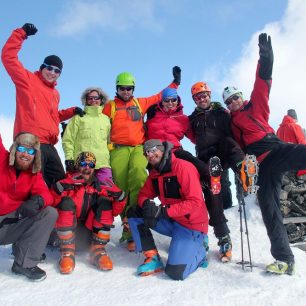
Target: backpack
(131, 109)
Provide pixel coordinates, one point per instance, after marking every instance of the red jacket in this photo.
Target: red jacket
(250, 123)
(180, 191)
(36, 100)
(84, 196)
(15, 190)
(290, 131)
(169, 126)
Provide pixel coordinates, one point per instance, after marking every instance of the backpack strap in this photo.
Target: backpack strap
(114, 108)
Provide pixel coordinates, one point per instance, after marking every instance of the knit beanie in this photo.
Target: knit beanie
(52, 60)
(87, 157)
(169, 93)
(149, 144)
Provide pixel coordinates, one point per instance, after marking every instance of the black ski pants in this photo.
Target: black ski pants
(283, 158)
(51, 165)
(214, 203)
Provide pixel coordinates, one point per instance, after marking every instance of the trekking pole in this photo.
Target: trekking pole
(241, 204)
(250, 166)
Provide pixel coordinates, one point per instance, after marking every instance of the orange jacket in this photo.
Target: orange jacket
(36, 100)
(124, 130)
(290, 131)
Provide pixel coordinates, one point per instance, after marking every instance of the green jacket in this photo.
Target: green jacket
(88, 133)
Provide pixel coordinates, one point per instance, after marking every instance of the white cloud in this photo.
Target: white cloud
(82, 16)
(289, 45)
(6, 131)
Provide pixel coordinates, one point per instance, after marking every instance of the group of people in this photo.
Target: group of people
(118, 164)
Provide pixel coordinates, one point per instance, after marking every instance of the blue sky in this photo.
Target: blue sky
(213, 41)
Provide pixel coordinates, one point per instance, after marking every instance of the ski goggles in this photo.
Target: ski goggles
(52, 68)
(23, 149)
(93, 98)
(150, 151)
(83, 164)
(230, 99)
(123, 88)
(201, 95)
(168, 100)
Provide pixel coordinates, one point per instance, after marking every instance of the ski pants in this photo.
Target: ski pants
(29, 236)
(283, 158)
(51, 165)
(129, 171)
(186, 251)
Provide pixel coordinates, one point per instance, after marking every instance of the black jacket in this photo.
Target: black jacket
(212, 129)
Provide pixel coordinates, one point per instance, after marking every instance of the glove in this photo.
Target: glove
(29, 28)
(79, 111)
(69, 163)
(113, 191)
(266, 56)
(176, 75)
(59, 187)
(30, 207)
(151, 212)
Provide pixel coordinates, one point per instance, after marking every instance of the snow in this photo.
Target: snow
(219, 284)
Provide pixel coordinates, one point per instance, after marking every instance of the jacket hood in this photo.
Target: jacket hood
(99, 90)
(287, 120)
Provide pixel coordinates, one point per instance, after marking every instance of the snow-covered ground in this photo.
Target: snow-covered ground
(219, 284)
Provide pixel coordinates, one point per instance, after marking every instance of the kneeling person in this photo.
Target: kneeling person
(182, 214)
(26, 220)
(82, 199)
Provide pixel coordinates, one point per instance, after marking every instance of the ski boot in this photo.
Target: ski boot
(152, 263)
(225, 250)
(215, 170)
(67, 249)
(204, 262)
(249, 174)
(98, 255)
(127, 235)
(281, 267)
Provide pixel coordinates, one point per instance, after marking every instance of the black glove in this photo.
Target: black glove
(151, 212)
(29, 28)
(59, 187)
(113, 191)
(79, 111)
(30, 207)
(265, 56)
(69, 163)
(176, 70)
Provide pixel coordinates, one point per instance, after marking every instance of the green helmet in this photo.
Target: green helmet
(125, 79)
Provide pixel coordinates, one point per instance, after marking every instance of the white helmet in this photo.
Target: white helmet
(230, 91)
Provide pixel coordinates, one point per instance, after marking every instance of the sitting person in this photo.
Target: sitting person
(81, 199)
(26, 220)
(89, 133)
(182, 214)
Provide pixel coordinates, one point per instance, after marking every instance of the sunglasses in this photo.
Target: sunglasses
(83, 164)
(151, 150)
(52, 68)
(230, 99)
(173, 100)
(93, 98)
(123, 88)
(200, 96)
(23, 149)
